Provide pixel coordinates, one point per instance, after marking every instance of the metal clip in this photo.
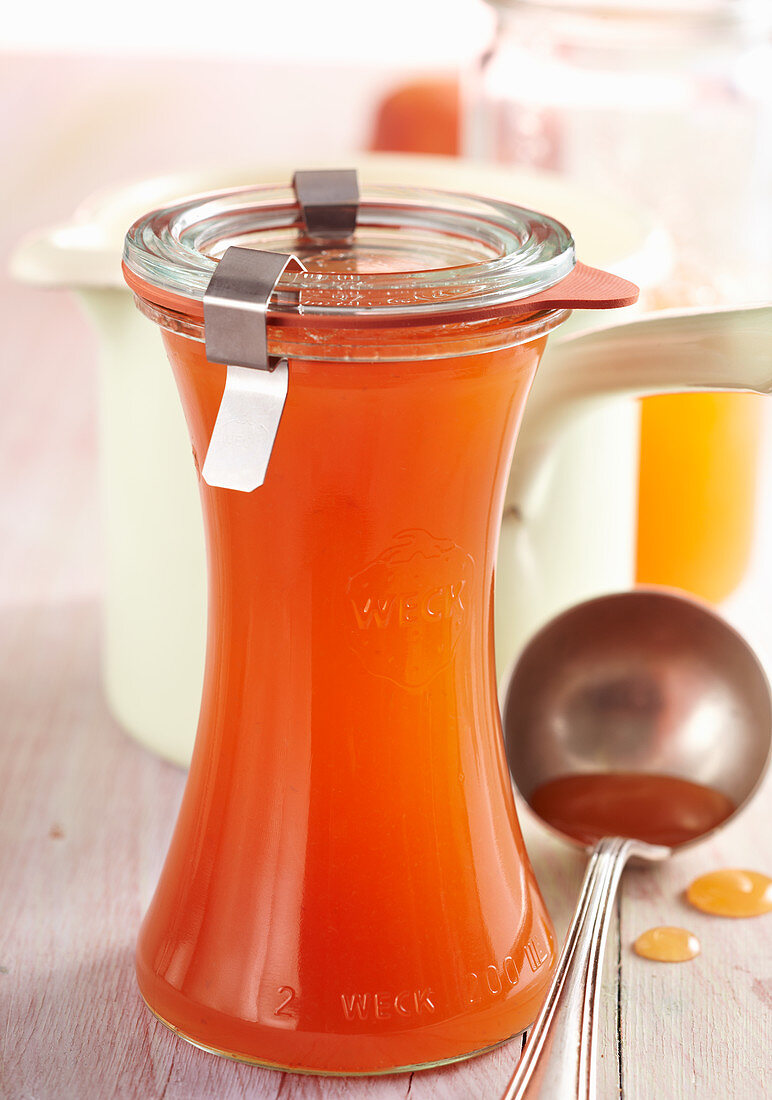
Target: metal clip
(236, 304)
(329, 202)
(235, 333)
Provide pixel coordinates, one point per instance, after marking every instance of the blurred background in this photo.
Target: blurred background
(660, 108)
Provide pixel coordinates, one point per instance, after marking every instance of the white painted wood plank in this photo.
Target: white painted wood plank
(702, 1029)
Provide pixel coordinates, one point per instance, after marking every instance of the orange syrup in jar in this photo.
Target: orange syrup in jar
(347, 889)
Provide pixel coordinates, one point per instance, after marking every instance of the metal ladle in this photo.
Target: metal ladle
(643, 681)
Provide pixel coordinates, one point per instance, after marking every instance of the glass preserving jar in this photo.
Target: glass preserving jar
(347, 889)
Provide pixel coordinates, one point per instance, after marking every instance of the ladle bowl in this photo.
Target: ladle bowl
(645, 682)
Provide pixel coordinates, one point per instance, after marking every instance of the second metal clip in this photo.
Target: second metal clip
(329, 202)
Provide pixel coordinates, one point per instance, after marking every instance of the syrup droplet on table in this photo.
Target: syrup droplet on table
(667, 944)
(732, 893)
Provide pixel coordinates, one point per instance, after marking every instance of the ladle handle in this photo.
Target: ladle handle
(559, 1057)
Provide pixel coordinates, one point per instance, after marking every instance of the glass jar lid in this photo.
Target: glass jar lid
(415, 255)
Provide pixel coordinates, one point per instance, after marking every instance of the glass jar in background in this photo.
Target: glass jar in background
(668, 102)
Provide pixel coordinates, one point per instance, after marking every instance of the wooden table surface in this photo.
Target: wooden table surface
(85, 814)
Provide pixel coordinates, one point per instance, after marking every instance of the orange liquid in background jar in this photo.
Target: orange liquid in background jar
(697, 488)
(347, 888)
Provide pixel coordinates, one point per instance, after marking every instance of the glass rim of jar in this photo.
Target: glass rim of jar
(442, 255)
(409, 343)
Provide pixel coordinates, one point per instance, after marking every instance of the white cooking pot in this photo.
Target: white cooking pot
(572, 538)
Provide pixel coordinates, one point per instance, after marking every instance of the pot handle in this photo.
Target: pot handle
(669, 352)
(66, 256)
